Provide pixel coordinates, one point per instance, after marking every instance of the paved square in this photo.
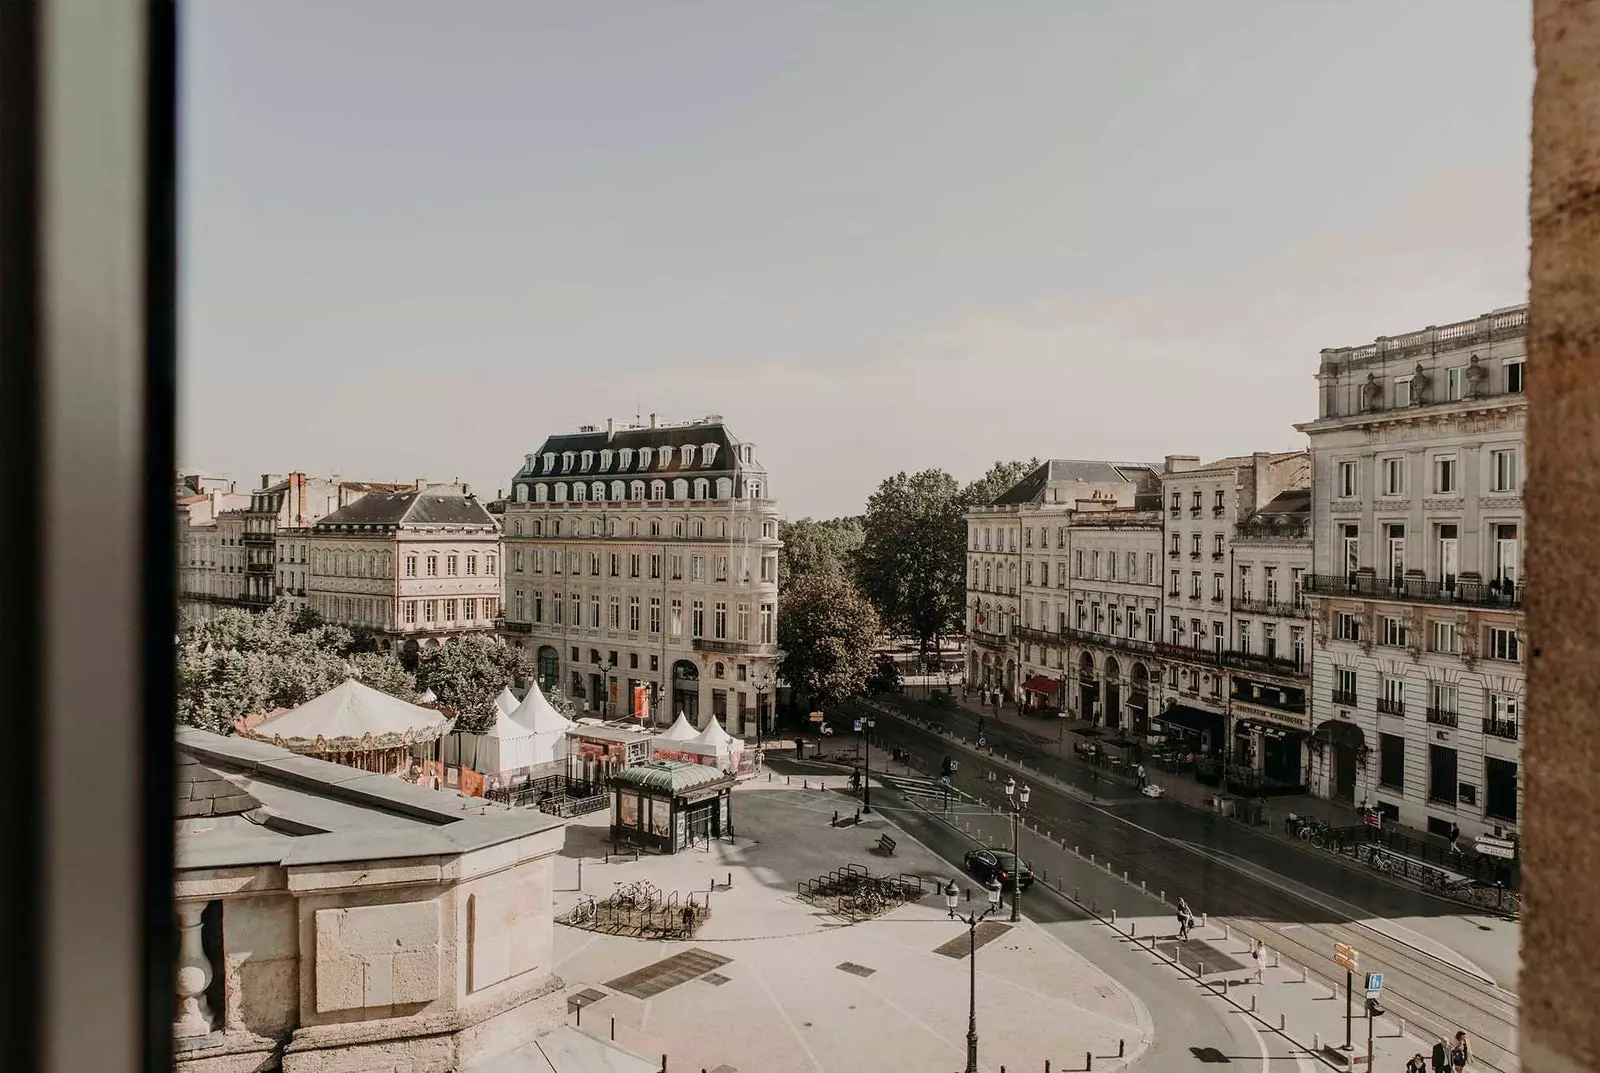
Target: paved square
(669, 972)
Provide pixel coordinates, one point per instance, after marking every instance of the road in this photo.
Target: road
(1300, 903)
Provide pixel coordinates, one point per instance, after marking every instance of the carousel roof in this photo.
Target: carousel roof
(682, 730)
(538, 714)
(506, 701)
(350, 717)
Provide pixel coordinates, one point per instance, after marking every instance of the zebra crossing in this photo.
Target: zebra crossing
(921, 789)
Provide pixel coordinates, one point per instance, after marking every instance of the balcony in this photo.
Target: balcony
(1174, 554)
(1416, 590)
(1249, 606)
(1501, 728)
(1037, 635)
(1444, 717)
(1251, 661)
(1391, 707)
(1348, 699)
(1217, 512)
(1273, 528)
(1196, 555)
(258, 568)
(1217, 598)
(1194, 512)
(733, 648)
(1218, 556)
(510, 626)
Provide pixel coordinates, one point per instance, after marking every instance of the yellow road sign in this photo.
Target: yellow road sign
(1345, 957)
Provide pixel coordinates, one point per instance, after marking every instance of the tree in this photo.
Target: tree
(912, 562)
(467, 673)
(827, 631)
(885, 674)
(1001, 478)
(813, 547)
(240, 663)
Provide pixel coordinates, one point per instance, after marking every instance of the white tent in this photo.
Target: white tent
(713, 735)
(505, 746)
(717, 742)
(547, 727)
(350, 716)
(507, 701)
(682, 730)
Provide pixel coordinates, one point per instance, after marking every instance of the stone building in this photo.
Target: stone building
(201, 500)
(1219, 656)
(332, 921)
(1417, 594)
(645, 557)
(410, 566)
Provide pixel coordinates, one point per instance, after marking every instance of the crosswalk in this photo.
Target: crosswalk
(921, 789)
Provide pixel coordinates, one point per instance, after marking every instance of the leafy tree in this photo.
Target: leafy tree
(240, 663)
(1001, 478)
(885, 674)
(467, 673)
(558, 700)
(912, 562)
(818, 547)
(827, 631)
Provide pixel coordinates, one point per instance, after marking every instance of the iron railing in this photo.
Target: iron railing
(1391, 707)
(1467, 593)
(1345, 697)
(1501, 728)
(1445, 717)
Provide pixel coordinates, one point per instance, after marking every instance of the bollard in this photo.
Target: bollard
(580, 1013)
(1199, 969)
(1088, 1060)
(835, 818)
(1227, 987)
(1283, 1022)
(1252, 1004)
(1316, 1041)
(1274, 959)
(787, 781)
(1091, 858)
(1094, 907)
(1302, 974)
(1402, 1029)
(1122, 1048)
(730, 880)
(1227, 932)
(805, 784)
(1202, 920)
(1077, 851)
(1074, 893)
(1133, 929)
(1113, 918)
(613, 1030)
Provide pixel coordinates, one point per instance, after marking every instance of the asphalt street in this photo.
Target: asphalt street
(1300, 903)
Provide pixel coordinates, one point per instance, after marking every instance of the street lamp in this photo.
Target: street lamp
(1019, 801)
(951, 897)
(866, 783)
(762, 680)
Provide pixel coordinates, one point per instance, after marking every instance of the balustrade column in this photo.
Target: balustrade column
(194, 974)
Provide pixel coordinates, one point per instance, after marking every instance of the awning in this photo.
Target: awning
(1040, 684)
(1184, 719)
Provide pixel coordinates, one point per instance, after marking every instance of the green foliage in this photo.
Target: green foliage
(912, 562)
(240, 663)
(818, 547)
(827, 631)
(467, 673)
(885, 674)
(1002, 476)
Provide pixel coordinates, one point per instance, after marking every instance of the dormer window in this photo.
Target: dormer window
(746, 452)
(708, 454)
(644, 457)
(625, 458)
(549, 461)
(580, 492)
(588, 460)
(605, 461)
(688, 455)
(566, 461)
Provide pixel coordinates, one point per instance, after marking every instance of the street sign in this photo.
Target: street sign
(945, 779)
(858, 726)
(817, 717)
(1345, 957)
(955, 765)
(982, 741)
(1495, 847)
(1374, 984)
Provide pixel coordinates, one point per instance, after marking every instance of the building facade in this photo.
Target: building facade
(1417, 593)
(645, 558)
(409, 566)
(201, 500)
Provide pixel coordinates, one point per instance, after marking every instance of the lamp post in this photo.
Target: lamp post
(762, 681)
(1019, 801)
(951, 898)
(866, 783)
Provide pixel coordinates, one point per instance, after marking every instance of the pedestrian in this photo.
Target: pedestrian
(688, 921)
(1259, 955)
(1460, 1052)
(1185, 920)
(1455, 836)
(1139, 772)
(1417, 1064)
(1441, 1056)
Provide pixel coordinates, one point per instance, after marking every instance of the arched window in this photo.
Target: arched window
(605, 460)
(580, 491)
(680, 489)
(555, 527)
(522, 493)
(644, 457)
(516, 526)
(636, 490)
(633, 527)
(658, 489)
(708, 454)
(688, 455)
(718, 671)
(541, 493)
(561, 491)
(625, 458)
(616, 491)
(702, 488)
(566, 461)
(598, 491)
(538, 528)
(588, 460)
(724, 487)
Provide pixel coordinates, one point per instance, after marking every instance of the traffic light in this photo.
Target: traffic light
(947, 767)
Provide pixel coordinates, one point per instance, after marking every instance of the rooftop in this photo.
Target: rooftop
(671, 776)
(393, 510)
(1068, 470)
(1242, 461)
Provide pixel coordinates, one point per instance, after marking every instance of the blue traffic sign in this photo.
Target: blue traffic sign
(982, 741)
(858, 726)
(1374, 982)
(945, 779)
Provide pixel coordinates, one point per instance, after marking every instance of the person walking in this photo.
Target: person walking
(1139, 773)
(1185, 920)
(1441, 1056)
(1455, 840)
(1417, 1064)
(1258, 954)
(1460, 1053)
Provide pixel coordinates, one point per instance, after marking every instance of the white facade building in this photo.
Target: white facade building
(201, 500)
(1417, 595)
(642, 565)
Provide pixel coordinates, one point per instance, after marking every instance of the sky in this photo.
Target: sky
(420, 237)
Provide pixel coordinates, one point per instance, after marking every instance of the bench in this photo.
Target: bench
(886, 845)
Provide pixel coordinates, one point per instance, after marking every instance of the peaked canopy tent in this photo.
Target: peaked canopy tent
(351, 724)
(682, 730)
(506, 701)
(505, 748)
(546, 726)
(713, 746)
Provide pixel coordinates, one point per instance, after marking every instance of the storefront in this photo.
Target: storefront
(597, 751)
(668, 805)
(1043, 694)
(1197, 728)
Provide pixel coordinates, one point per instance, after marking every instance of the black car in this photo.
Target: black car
(1000, 864)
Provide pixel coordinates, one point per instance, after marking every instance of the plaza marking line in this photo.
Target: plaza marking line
(755, 974)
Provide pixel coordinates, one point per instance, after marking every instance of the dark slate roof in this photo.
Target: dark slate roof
(203, 792)
(395, 509)
(1064, 470)
(666, 436)
(1294, 501)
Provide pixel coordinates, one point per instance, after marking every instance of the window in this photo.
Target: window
(538, 607)
(1505, 556)
(767, 636)
(433, 566)
(1344, 690)
(409, 612)
(1347, 480)
(1082, 614)
(1402, 391)
(1444, 475)
(1503, 644)
(615, 564)
(655, 566)
(675, 567)
(633, 565)
(697, 622)
(614, 613)
(1176, 634)
(488, 565)
(1514, 376)
(516, 561)
(1111, 563)
(1077, 567)
(1503, 470)
(1150, 623)
(1198, 496)
(1197, 633)
(594, 564)
(1149, 568)
(1394, 476)
(1396, 537)
(1217, 551)
(744, 623)
(1442, 774)
(1194, 585)
(594, 612)
(1455, 383)
(430, 610)
(1269, 639)
(450, 565)
(472, 564)
(411, 567)
(1244, 582)
(1094, 564)
(1174, 590)
(1447, 553)
(1445, 699)
(1348, 627)
(1350, 542)
(1394, 631)
(1297, 644)
(1174, 550)
(719, 621)
(449, 610)
(1392, 761)
(1220, 505)
(1177, 501)
(1443, 638)
(1244, 637)
(1218, 587)
(1194, 546)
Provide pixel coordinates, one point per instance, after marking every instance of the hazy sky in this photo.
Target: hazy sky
(420, 237)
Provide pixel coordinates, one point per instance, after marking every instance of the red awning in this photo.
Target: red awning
(1038, 684)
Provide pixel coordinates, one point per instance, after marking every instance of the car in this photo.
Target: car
(998, 864)
(1150, 789)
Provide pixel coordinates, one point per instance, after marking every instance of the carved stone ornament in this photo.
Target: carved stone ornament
(1371, 391)
(1475, 375)
(1419, 385)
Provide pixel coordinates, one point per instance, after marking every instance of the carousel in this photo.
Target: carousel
(354, 725)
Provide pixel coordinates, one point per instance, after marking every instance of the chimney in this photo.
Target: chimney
(611, 427)
(1180, 463)
(422, 482)
(652, 420)
(1262, 464)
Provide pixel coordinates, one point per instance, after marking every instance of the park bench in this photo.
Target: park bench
(886, 845)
